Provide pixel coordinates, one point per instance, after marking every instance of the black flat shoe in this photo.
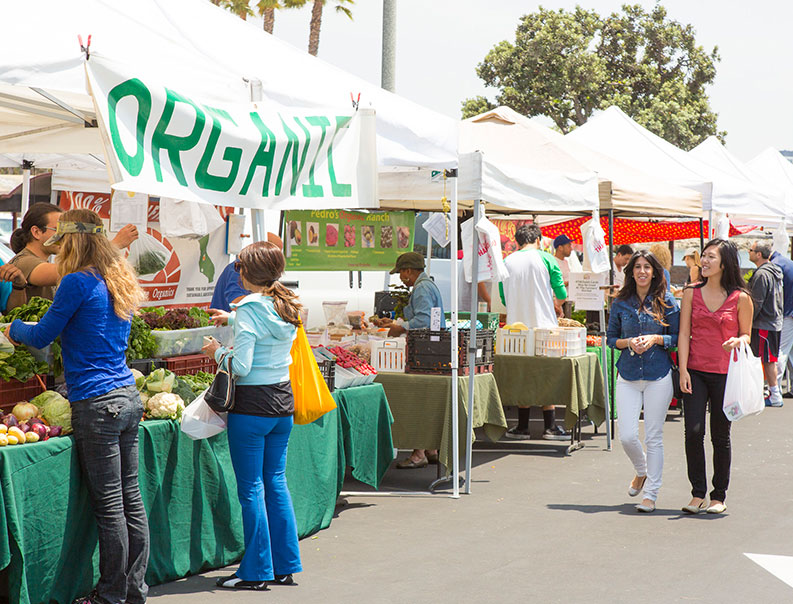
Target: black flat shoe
(283, 580)
(234, 582)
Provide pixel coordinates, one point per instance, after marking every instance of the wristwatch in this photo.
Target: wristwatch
(19, 288)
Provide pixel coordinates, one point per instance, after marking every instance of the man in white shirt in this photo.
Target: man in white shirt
(528, 293)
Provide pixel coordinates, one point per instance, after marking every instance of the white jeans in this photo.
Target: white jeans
(654, 397)
(785, 344)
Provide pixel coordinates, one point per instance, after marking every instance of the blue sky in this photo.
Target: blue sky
(440, 42)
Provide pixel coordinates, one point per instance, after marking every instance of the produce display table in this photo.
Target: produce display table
(576, 382)
(421, 405)
(48, 533)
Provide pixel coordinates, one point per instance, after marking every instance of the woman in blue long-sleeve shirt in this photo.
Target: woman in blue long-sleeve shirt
(92, 309)
(265, 324)
(644, 323)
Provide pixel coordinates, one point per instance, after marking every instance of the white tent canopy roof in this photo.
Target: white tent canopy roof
(712, 152)
(776, 170)
(212, 58)
(614, 133)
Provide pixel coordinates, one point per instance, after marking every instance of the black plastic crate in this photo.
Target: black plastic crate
(430, 351)
(146, 366)
(328, 370)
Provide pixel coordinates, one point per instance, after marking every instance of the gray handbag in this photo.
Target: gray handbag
(220, 395)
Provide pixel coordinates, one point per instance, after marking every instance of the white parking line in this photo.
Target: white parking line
(779, 566)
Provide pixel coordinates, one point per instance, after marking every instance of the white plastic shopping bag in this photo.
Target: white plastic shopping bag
(188, 218)
(743, 393)
(199, 421)
(596, 253)
(491, 260)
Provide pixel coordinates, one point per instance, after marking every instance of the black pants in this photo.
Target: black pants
(704, 387)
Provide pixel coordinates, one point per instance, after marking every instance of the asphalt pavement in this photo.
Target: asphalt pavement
(542, 527)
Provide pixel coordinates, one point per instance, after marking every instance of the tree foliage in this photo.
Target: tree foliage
(568, 64)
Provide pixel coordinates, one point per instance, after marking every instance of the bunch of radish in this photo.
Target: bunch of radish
(348, 360)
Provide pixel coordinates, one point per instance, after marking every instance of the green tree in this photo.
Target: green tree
(568, 64)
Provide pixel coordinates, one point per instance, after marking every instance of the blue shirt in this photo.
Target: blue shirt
(626, 321)
(423, 299)
(94, 339)
(786, 264)
(227, 289)
(262, 343)
(668, 281)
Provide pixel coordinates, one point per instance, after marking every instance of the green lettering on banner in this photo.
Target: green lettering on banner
(312, 189)
(264, 156)
(203, 178)
(172, 143)
(339, 189)
(135, 88)
(292, 148)
(305, 151)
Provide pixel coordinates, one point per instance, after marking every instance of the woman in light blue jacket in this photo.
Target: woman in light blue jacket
(260, 423)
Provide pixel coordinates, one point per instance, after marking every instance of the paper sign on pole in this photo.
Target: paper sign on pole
(129, 208)
(167, 143)
(585, 290)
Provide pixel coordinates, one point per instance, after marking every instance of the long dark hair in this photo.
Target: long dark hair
(262, 263)
(657, 292)
(36, 216)
(730, 266)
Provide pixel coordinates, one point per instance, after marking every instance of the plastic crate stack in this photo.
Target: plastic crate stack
(429, 352)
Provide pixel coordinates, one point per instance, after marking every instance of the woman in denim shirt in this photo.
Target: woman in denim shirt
(644, 323)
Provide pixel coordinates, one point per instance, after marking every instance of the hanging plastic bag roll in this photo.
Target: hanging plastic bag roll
(148, 256)
(596, 253)
(199, 421)
(188, 219)
(743, 392)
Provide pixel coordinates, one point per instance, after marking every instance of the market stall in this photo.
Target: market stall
(189, 491)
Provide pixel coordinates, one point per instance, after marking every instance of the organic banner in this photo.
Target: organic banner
(190, 267)
(336, 240)
(162, 142)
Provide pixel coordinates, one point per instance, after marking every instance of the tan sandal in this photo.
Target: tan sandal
(633, 492)
(410, 464)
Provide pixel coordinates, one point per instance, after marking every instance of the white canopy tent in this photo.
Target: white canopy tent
(614, 133)
(775, 169)
(712, 152)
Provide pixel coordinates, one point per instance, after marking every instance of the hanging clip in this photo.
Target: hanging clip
(85, 48)
(355, 101)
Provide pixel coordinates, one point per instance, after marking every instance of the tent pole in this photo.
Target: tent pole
(609, 404)
(472, 344)
(701, 234)
(454, 347)
(606, 389)
(429, 252)
(26, 167)
(710, 225)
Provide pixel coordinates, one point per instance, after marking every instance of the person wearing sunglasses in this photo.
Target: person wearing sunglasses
(30, 271)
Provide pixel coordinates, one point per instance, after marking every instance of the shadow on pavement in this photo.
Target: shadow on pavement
(629, 509)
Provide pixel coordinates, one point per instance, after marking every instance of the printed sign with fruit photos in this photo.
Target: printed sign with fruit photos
(340, 240)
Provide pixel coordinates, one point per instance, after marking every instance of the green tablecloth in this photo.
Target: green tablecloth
(48, 533)
(576, 382)
(421, 405)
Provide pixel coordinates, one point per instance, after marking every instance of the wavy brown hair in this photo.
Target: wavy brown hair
(262, 264)
(657, 290)
(83, 252)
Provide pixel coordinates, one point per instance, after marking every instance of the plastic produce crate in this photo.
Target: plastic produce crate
(489, 320)
(389, 355)
(515, 342)
(560, 341)
(145, 366)
(179, 342)
(13, 391)
(328, 370)
(430, 351)
(190, 364)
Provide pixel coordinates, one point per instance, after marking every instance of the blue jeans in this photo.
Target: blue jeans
(106, 434)
(258, 454)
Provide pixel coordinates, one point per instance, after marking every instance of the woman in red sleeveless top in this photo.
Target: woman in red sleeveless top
(715, 316)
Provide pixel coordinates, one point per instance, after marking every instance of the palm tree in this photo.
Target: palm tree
(267, 11)
(316, 18)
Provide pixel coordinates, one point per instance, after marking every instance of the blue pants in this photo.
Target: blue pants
(258, 454)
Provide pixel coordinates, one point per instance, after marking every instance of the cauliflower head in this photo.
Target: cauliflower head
(165, 405)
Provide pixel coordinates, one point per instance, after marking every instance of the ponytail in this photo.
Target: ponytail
(19, 239)
(285, 303)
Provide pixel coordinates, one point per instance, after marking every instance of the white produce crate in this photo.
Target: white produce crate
(388, 356)
(515, 342)
(178, 342)
(560, 341)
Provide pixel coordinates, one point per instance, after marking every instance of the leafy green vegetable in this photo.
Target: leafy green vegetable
(198, 382)
(142, 344)
(55, 409)
(184, 390)
(35, 308)
(21, 365)
(149, 262)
